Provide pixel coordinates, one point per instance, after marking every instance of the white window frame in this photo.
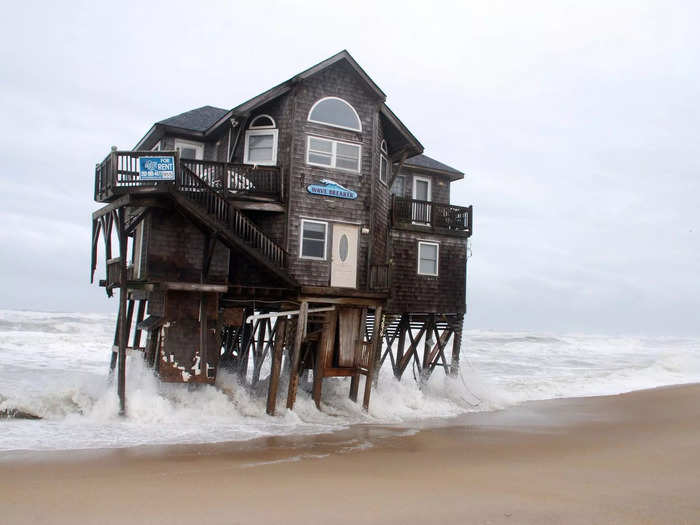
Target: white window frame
(383, 147)
(301, 240)
(384, 160)
(156, 146)
(261, 131)
(334, 147)
(359, 121)
(198, 147)
(437, 258)
(430, 187)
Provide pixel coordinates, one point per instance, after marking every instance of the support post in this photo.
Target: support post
(405, 321)
(139, 317)
(277, 351)
(203, 358)
(296, 355)
(355, 381)
(371, 361)
(456, 345)
(123, 328)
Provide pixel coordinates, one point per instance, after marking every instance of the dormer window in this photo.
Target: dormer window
(333, 111)
(261, 142)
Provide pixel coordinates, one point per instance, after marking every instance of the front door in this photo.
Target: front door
(344, 256)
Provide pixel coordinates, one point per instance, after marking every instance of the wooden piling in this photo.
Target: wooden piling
(276, 366)
(123, 328)
(456, 345)
(376, 347)
(296, 355)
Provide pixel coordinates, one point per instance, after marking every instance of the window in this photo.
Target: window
(156, 146)
(333, 154)
(398, 188)
(383, 169)
(190, 150)
(421, 188)
(261, 142)
(428, 258)
(313, 239)
(335, 112)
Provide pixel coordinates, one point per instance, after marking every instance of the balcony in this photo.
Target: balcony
(430, 216)
(119, 174)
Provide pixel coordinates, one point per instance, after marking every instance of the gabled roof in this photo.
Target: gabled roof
(426, 163)
(207, 121)
(200, 119)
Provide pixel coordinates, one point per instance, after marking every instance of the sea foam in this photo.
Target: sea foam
(56, 366)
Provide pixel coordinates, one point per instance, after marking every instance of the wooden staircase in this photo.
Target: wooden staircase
(228, 223)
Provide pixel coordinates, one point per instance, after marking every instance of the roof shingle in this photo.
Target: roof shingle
(423, 161)
(200, 119)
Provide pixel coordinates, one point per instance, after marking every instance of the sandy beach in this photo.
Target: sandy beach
(632, 458)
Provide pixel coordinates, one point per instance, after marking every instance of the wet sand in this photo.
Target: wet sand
(632, 458)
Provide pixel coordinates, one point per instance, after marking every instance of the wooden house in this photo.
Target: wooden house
(304, 225)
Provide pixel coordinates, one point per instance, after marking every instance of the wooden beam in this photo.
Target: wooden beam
(123, 328)
(457, 344)
(375, 349)
(296, 355)
(276, 367)
(193, 287)
(355, 382)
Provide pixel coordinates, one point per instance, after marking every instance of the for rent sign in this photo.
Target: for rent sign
(157, 168)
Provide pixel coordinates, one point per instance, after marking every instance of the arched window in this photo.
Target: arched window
(261, 142)
(262, 122)
(383, 147)
(334, 111)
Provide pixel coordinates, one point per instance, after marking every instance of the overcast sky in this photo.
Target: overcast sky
(577, 123)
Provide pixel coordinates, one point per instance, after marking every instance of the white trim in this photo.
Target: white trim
(385, 160)
(301, 241)
(437, 258)
(383, 147)
(262, 131)
(340, 221)
(156, 146)
(430, 187)
(334, 157)
(252, 122)
(335, 125)
(198, 147)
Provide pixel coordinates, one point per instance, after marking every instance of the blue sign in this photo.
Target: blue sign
(156, 168)
(328, 188)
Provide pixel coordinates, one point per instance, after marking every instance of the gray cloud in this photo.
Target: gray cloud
(577, 125)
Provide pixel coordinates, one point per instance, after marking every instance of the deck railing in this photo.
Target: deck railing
(119, 172)
(238, 178)
(430, 214)
(198, 191)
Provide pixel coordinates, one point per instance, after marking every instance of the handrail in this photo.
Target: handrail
(119, 171)
(431, 214)
(198, 191)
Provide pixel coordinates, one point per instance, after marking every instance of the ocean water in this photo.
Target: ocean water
(55, 366)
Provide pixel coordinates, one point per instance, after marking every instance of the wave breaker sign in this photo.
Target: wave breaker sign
(329, 188)
(156, 168)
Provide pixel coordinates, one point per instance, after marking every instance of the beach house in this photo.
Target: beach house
(304, 226)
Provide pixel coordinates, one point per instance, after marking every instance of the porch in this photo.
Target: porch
(120, 173)
(430, 216)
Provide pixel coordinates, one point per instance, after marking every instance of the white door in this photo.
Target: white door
(344, 256)
(421, 211)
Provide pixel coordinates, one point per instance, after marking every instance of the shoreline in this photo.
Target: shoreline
(626, 458)
(517, 417)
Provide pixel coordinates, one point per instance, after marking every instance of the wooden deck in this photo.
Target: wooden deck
(118, 174)
(431, 216)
